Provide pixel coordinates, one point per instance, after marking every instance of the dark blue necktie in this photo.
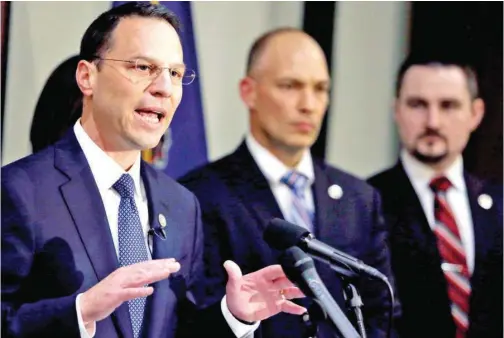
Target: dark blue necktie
(132, 247)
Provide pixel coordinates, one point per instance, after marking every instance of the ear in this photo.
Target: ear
(85, 75)
(478, 111)
(248, 91)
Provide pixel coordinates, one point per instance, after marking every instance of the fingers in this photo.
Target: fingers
(292, 293)
(233, 271)
(132, 293)
(124, 284)
(286, 306)
(271, 272)
(290, 307)
(282, 283)
(148, 272)
(275, 296)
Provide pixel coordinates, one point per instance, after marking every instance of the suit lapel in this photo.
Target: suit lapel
(412, 223)
(252, 187)
(480, 218)
(84, 203)
(169, 247)
(330, 223)
(327, 209)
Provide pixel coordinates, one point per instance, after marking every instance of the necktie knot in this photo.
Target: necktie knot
(296, 181)
(125, 186)
(440, 184)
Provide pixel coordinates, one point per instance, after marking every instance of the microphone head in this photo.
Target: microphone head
(294, 262)
(281, 235)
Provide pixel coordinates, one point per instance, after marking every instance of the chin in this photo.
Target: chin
(145, 144)
(301, 142)
(429, 158)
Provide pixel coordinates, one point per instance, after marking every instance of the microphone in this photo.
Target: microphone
(281, 235)
(158, 231)
(300, 270)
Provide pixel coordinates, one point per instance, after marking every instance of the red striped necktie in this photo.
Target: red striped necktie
(453, 256)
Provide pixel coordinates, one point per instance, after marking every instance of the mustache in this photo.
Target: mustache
(431, 132)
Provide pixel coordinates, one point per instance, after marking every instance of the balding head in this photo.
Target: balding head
(275, 46)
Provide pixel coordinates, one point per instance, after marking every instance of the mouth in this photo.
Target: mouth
(304, 126)
(151, 115)
(431, 138)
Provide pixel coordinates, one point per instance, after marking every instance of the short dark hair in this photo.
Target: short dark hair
(96, 39)
(439, 60)
(260, 43)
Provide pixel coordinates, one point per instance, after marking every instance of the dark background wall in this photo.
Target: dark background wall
(473, 29)
(319, 20)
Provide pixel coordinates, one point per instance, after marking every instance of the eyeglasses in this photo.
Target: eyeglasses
(140, 70)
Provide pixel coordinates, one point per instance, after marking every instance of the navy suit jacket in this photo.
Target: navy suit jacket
(56, 243)
(237, 203)
(416, 261)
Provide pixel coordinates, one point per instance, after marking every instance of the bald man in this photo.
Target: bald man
(272, 174)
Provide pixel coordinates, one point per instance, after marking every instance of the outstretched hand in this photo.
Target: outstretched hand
(260, 294)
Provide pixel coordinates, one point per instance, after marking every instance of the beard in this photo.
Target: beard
(428, 159)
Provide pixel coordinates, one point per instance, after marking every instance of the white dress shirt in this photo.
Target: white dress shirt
(421, 175)
(273, 169)
(106, 172)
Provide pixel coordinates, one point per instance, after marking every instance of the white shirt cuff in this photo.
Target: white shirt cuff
(82, 328)
(240, 329)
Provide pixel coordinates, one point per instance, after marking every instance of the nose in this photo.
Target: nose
(307, 101)
(433, 118)
(162, 85)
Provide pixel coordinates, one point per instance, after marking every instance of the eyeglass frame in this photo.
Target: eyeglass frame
(158, 71)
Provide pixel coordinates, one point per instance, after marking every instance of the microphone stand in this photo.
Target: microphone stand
(352, 296)
(350, 292)
(354, 302)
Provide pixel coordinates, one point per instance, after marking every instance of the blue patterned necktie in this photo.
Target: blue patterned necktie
(300, 213)
(132, 247)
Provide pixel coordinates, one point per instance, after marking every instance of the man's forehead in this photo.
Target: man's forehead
(299, 68)
(435, 80)
(151, 36)
(447, 76)
(303, 77)
(291, 50)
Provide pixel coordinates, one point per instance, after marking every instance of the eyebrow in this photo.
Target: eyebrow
(415, 98)
(446, 98)
(324, 81)
(155, 61)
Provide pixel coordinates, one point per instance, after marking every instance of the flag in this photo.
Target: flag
(183, 147)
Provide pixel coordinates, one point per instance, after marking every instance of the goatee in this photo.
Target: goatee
(427, 159)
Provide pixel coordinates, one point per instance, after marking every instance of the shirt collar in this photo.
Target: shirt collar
(105, 170)
(272, 168)
(422, 174)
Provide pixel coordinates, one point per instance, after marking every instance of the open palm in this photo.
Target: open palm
(256, 296)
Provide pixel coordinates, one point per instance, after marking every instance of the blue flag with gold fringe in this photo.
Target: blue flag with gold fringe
(183, 147)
